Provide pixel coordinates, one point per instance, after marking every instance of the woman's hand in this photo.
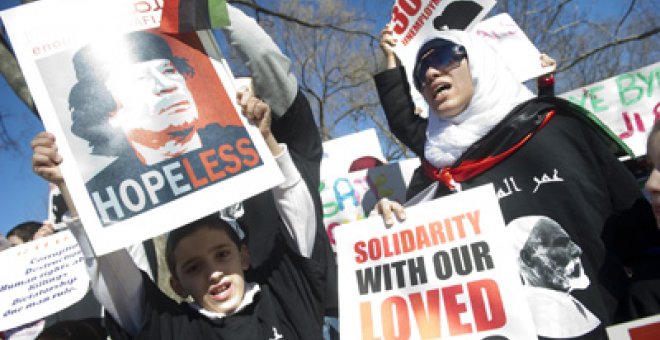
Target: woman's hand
(389, 210)
(387, 44)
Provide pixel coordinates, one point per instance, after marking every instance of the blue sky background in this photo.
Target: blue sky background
(24, 195)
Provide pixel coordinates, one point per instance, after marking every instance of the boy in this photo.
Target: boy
(282, 299)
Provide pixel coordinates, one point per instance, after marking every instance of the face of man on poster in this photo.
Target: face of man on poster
(135, 101)
(550, 259)
(155, 109)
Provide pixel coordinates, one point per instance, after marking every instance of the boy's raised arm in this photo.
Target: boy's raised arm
(292, 198)
(273, 80)
(115, 278)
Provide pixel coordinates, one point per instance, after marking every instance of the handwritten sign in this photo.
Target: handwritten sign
(40, 278)
(628, 104)
(642, 329)
(350, 197)
(446, 272)
(142, 155)
(513, 46)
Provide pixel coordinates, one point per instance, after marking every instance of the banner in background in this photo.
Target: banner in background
(40, 278)
(628, 104)
(446, 272)
(350, 197)
(339, 154)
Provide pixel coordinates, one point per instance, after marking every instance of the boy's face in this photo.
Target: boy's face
(209, 267)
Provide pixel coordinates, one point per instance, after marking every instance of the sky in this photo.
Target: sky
(24, 194)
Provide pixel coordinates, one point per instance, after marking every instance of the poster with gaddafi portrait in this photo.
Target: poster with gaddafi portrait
(446, 272)
(628, 104)
(147, 123)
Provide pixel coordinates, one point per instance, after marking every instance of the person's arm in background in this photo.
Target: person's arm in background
(273, 80)
(115, 278)
(274, 83)
(398, 105)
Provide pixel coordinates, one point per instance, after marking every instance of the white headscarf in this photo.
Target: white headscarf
(496, 92)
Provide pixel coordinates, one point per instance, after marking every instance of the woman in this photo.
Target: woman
(548, 161)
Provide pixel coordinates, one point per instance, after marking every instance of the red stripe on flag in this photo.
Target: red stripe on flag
(169, 21)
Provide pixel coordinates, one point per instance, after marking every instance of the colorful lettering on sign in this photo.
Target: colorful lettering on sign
(487, 312)
(174, 179)
(403, 9)
(631, 90)
(638, 125)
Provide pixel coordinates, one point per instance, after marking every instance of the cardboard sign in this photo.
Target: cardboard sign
(147, 123)
(340, 153)
(513, 46)
(350, 197)
(446, 272)
(642, 329)
(40, 278)
(628, 104)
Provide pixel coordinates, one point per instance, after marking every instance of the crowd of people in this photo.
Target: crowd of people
(587, 243)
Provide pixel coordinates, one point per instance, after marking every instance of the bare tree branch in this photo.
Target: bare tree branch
(264, 10)
(617, 42)
(625, 16)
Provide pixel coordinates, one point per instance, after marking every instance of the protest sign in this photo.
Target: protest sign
(350, 197)
(446, 272)
(628, 104)
(513, 46)
(146, 123)
(642, 329)
(40, 278)
(415, 21)
(340, 153)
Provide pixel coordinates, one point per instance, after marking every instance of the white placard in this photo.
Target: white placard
(40, 278)
(628, 104)
(446, 272)
(68, 49)
(339, 153)
(513, 46)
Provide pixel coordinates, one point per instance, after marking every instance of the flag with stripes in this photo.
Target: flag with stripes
(192, 15)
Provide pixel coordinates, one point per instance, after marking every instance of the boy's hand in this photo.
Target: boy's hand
(46, 159)
(258, 113)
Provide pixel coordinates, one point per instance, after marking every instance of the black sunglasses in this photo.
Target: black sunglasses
(444, 58)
